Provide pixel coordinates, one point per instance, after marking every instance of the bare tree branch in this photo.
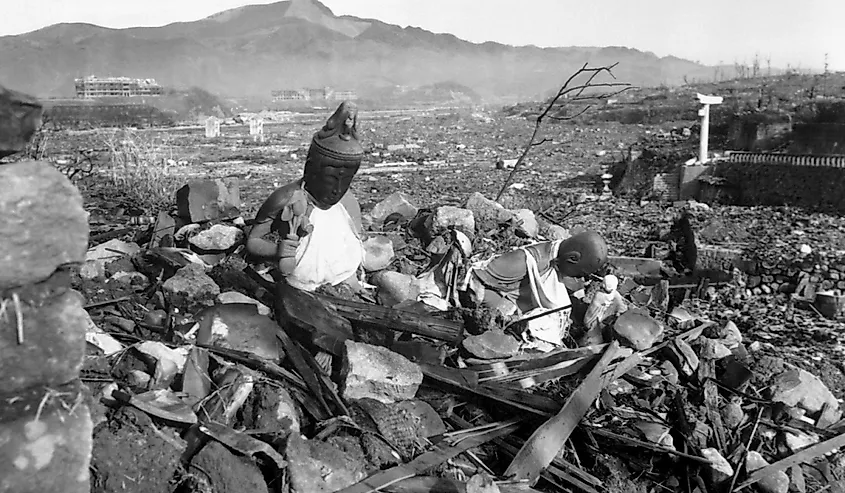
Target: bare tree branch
(563, 92)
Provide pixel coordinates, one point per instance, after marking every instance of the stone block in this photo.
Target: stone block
(797, 387)
(205, 200)
(191, 288)
(20, 117)
(53, 345)
(217, 238)
(637, 329)
(448, 216)
(486, 210)
(96, 258)
(43, 223)
(718, 258)
(492, 344)
(378, 253)
(240, 327)
(396, 202)
(319, 467)
(528, 222)
(395, 287)
(378, 373)
(45, 441)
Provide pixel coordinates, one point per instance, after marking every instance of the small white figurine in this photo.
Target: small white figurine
(606, 303)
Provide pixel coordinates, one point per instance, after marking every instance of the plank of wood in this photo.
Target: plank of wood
(440, 454)
(312, 320)
(396, 319)
(535, 404)
(545, 443)
(801, 457)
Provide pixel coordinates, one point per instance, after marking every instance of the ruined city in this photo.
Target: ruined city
(431, 278)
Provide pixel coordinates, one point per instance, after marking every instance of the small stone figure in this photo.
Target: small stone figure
(606, 303)
(317, 217)
(530, 280)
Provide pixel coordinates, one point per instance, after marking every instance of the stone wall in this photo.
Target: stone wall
(45, 424)
(805, 181)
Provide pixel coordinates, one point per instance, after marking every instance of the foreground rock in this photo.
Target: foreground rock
(485, 210)
(45, 441)
(240, 327)
(218, 238)
(191, 288)
(777, 482)
(98, 257)
(236, 297)
(378, 253)
(799, 388)
(528, 224)
(226, 472)
(637, 329)
(53, 344)
(37, 236)
(378, 373)
(319, 467)
(447, 217)
(395, 203)
(492, 344)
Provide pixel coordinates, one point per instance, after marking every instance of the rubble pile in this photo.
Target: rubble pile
(208, 379)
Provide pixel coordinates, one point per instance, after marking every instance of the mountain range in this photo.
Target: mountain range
(253, 50)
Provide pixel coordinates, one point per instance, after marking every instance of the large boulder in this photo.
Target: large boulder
(37, 235)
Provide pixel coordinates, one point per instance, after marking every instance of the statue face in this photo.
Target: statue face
(329, 184)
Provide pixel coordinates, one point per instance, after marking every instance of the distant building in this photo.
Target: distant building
(308, 94)
(97, 87)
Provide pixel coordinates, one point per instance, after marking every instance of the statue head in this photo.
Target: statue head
(581, 255)
(334, 157)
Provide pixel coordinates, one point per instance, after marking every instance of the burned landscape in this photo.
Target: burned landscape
(148, 347)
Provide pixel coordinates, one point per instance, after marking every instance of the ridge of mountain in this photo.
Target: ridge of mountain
(255, 49)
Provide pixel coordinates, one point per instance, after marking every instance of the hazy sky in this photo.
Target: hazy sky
(791, 32)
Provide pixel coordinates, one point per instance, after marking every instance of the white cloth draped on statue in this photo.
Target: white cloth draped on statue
(330, 254)
(547, 292)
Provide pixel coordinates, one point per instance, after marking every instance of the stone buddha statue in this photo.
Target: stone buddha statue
(317, 217)
(530, 280)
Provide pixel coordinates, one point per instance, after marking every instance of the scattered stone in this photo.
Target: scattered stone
(719, 466)
(733, 415)
(205, 200)
(45, 441)
(52, 346)
(217, 238)
(556, 232)
(96, 258)
(271, 407)
(319, 467)
(230, 297)
(637, 329)
(224, 472)
(486, 210)
(687, 358)
(396, 202)
(798, 440)
(190, 288)
(428, 422)
(528, 222)
(395, 287)
(682, 318)
(378, 253)
(132, 279)
(163, 231)
(492, 344)
(37, 236)
(378, 373)
(800, 388)
(777, 482)
(482, 483)
(448, 216)
(241, 327)
(730, 335)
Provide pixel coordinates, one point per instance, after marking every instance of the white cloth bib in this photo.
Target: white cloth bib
(547, 293)
(330, 254)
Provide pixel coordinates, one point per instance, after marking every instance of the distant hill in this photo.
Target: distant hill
(252, 50)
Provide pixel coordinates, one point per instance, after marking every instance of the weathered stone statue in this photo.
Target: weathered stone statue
(317, 217)
(529, 280)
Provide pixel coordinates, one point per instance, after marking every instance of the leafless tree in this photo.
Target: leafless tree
(569, 94)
